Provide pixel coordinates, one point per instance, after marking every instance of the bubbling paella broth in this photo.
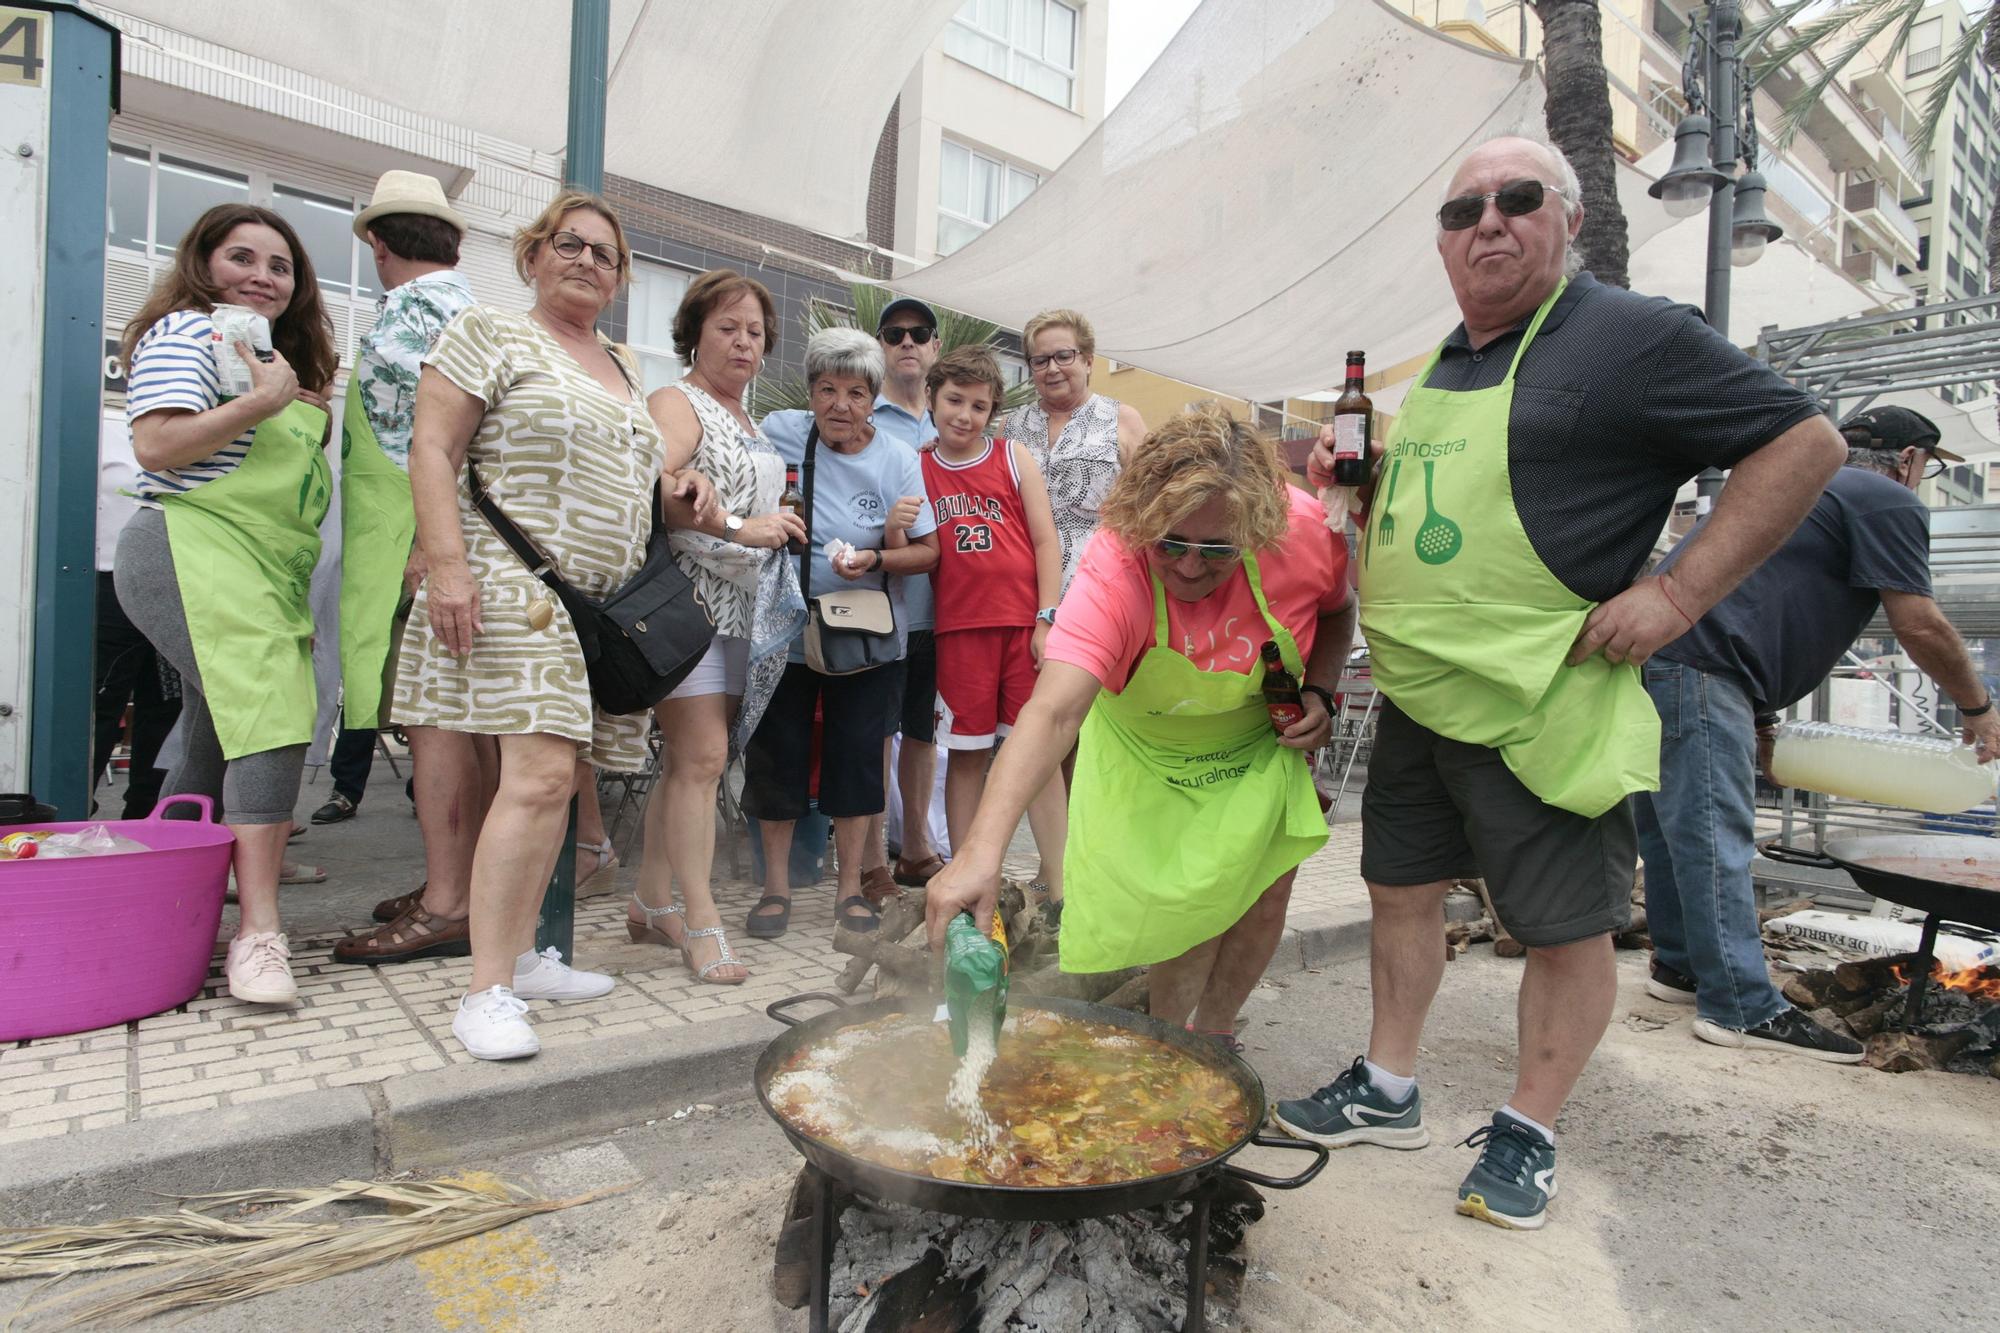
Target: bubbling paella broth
(1076, 1103)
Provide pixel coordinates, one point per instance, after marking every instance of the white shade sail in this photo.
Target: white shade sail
(770, 106)
(1263, 200)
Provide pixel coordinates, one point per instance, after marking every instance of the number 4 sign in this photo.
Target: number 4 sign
(23, 46)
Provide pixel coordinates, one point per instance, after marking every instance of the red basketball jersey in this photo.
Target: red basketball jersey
(985, 576)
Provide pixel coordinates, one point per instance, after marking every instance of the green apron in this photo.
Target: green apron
(1468, 629)
(1185, 807)
(244, 549)
(378, 523)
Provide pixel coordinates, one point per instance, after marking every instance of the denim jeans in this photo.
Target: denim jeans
(1695, 836)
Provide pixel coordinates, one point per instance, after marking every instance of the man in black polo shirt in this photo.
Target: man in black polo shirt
(1526, 477)
(1761, 649)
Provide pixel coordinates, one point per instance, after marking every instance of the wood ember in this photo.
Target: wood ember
(1127, 1272)
(1865, 998)
(1908, 1052)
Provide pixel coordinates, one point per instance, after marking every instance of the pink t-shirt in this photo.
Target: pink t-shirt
(1105, 624)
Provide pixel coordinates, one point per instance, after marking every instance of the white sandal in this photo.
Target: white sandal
(607, 859)
(727, 957)
(645, 932)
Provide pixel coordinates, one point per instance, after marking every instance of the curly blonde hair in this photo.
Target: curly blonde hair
(529, 238)
(1198, 455)
(1086, 337)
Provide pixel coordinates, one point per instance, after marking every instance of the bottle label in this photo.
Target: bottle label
(1286, 715)
(1350, 436)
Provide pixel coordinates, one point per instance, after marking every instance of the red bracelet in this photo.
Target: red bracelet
(1668, 593)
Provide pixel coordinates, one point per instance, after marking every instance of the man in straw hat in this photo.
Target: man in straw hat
(1768, 644)
(414, 234)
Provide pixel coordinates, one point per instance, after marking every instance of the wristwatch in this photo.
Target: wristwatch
(1980, 711)
(1047, 615)
(732, 524)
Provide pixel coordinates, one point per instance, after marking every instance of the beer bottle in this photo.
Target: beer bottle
(1281, 691)
(793, 501)
(1353, 422)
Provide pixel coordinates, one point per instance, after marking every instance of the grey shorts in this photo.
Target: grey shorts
(1439, 809)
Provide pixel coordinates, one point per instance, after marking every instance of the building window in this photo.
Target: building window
(974, 192)
(129, 199)
(649, 326)
(1029, 43)
(1925, 49)
(326, 228)
(183, 191)
(1669, 24)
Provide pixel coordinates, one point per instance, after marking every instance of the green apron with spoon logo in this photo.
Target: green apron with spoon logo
(378, 524)
(1185, 807)
(1468, 629)
(244, 549)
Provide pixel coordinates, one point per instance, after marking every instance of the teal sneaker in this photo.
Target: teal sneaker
(1352, 1110)
(1514, 1179)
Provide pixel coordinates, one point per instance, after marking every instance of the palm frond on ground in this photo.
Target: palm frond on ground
(775, 393)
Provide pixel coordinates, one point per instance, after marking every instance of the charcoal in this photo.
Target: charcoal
(1910, 1052)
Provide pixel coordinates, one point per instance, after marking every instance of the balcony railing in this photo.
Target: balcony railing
(1873, 271)
(1924, 61)
(1865, 197)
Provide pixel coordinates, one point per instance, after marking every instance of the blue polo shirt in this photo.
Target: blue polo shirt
(914, 606)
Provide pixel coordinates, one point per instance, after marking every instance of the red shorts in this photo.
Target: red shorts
(984, 676)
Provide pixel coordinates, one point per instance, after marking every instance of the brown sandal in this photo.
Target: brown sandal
(390, 908)
(413, 935)
(918, 874)
(879, 886)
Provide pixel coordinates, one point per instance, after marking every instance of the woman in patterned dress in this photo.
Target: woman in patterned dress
(552, 417)
(1079, 439)
(724, 327)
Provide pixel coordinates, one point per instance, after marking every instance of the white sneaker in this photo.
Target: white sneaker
(493, 1025)
(545, 976)
(260, 969)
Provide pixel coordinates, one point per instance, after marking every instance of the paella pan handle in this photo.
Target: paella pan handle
(776, 1008)
(1798, 856)
(1318, 1150)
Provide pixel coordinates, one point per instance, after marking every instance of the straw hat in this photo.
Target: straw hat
(407, 192)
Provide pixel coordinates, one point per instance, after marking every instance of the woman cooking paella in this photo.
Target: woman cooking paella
(1190, 812)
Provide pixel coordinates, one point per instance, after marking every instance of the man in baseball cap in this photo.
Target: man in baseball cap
(1909, 435)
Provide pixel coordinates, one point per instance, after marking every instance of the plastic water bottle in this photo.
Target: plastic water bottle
(1928, 773)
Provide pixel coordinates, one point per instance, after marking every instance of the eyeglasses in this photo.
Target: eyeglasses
(1936, 467)
(1515, 198)
(1062, 358)
(1214, 552)
(918, 334)
(569, 245)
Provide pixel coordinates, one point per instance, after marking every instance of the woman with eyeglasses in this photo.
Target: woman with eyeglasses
(552, 417)
(1190, 811)
(1078, 438)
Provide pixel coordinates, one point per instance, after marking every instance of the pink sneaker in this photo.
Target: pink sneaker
(260, 969)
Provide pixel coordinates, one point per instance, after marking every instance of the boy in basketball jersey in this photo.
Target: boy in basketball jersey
(998, 578)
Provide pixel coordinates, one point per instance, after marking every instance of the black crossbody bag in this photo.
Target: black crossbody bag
(640, 641)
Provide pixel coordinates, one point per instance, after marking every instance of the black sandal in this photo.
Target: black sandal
(857, 914)
(763, 925)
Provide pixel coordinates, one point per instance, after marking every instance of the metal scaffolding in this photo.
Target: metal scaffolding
(1847, 364)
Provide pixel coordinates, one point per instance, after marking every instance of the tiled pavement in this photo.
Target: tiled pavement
(358, 1025)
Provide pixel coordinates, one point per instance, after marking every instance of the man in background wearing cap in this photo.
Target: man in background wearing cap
(414, 235)
(908, 330)
(1719, 688)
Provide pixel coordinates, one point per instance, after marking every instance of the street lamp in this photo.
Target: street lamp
(1703, 174)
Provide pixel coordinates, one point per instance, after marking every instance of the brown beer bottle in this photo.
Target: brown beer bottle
(1353, 422)
(1281, 690)
(793, 501)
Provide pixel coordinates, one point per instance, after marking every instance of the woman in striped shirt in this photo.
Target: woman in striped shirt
(215, 568)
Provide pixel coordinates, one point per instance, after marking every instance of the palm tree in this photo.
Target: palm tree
(1578, 113)
(774, 393)
(1860, 22)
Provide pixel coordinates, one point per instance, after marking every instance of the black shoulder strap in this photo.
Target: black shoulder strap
(520, 543)
(805, 556)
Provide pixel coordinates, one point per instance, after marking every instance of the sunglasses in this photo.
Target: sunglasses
(1062, 358)
(1515, 199)
(569, 245)
(895, 333)
(1173, 548)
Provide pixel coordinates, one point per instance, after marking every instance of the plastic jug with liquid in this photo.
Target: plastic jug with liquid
(1928, 773)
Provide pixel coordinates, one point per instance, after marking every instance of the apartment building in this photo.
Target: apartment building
(1954, 196)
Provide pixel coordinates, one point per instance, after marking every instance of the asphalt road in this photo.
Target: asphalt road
(1700, 1189)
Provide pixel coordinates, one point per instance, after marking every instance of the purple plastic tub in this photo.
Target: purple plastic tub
(89, 941)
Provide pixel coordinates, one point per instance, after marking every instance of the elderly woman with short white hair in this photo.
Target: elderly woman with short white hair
(865, 491)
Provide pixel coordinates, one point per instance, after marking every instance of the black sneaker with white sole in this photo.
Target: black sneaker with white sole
(1663, 983)
(1788, 1031)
